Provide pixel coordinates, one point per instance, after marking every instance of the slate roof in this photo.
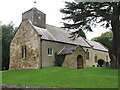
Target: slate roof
(67, 50)
(97, 45)
(59, 35)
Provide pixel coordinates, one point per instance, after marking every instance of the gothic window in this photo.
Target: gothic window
(107, 58)
(87, 54)
(50, 51)
(95, 58)
(24, 51)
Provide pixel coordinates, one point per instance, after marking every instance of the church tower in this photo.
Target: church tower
(37, 17)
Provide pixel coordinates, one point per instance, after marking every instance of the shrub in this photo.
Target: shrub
(101, 62)
(59, 59)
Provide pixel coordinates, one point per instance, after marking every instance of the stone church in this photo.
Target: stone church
(35, 44)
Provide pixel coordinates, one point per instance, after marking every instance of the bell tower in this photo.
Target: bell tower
(37, 17)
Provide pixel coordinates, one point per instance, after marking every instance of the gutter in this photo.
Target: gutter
(40, 45)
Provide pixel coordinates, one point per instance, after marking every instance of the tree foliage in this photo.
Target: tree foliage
(59, 59)
(77, 34)
(105, 39)
(101, 62)
(8, 32)
(85, 15)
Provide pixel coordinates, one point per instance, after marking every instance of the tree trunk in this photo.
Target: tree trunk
(114, 52)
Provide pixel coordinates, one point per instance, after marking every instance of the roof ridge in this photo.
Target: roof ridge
(61, 50)
(88, 42)
(52, 25)
(58, 27)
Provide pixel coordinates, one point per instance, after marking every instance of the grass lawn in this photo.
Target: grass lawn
(63, 77)
(0, 77)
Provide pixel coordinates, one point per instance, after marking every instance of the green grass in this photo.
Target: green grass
(63, 77)
(0, 77)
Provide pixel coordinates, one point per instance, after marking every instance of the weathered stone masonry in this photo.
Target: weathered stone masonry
(25, 36)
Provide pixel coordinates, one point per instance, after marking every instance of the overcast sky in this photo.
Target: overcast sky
(11, 10)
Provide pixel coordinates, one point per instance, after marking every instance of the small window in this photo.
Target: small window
(107, 58)
(87, 54)
(24, 52)
(95, 58)
(50, 51)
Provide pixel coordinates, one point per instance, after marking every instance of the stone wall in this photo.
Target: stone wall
(80, 51)
(100, 55)
(89, 62)
(48, 60)
(71, 59)
(25, 36)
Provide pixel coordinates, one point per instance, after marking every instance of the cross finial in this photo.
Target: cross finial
(35, 2)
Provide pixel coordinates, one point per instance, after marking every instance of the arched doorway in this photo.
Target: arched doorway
(79, 62)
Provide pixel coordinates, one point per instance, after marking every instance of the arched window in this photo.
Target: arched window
(107, 58)
(87, 54)
(24, 51)
(95, 58)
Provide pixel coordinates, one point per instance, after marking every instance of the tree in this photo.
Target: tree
(8, 32)
(105, 39)
(59, 59)
(79, 33)
(101, 62)
(85, 15)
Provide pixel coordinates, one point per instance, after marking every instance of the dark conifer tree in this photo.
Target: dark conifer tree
(84, 15)
(8, 32)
